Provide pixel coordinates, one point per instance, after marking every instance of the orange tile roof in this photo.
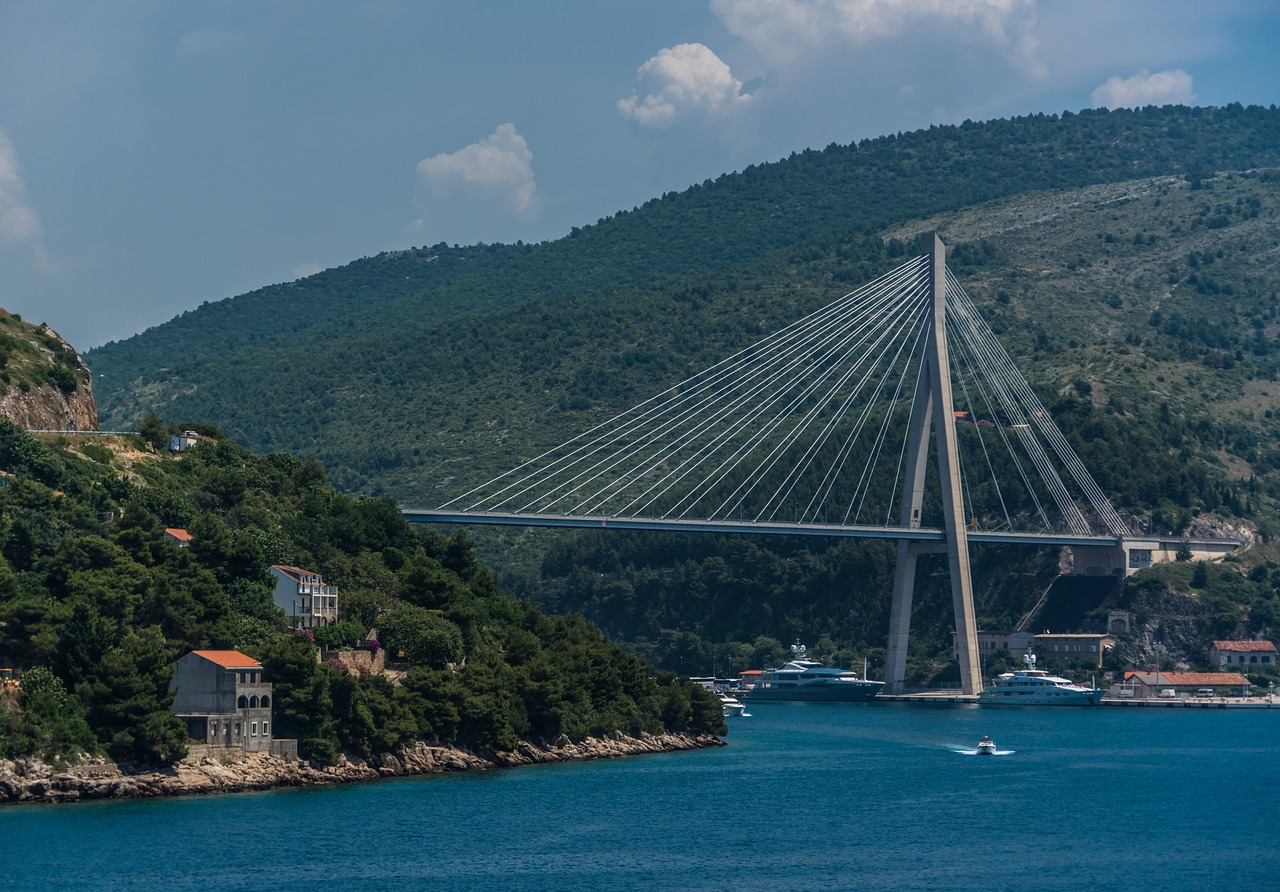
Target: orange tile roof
(181, 535)
(294, 572)
(229, 659)
(1190, 679)
(1246, 646)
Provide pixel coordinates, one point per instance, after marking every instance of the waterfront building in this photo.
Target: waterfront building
(226, 704)
(1150, 684)
(1074, 646)
(1087, 646)
(1242, 654)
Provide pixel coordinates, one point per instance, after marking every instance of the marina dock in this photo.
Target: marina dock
(952, 697)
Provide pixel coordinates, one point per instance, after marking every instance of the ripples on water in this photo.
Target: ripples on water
(806, 796)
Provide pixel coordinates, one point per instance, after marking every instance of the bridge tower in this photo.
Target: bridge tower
(932, 406)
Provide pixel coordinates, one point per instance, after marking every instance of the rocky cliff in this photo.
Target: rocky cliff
(31, 780)
(44, 384)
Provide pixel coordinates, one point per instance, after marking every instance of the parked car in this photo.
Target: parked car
(1168, 694)
(1204, 692)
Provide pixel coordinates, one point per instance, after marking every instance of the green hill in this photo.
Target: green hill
(1125, 258)
(96, 603)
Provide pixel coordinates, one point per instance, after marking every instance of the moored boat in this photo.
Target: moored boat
(805, 679)
(732, 705)
(1035, 687)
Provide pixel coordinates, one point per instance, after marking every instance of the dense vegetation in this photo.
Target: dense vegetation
(1126, 267)
(95, 605)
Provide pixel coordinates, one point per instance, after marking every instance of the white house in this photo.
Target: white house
(184, 440)
(304, 596)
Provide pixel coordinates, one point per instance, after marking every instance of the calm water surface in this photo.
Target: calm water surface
(806, 796)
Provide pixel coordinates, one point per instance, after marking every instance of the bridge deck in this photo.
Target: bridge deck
(427, 515)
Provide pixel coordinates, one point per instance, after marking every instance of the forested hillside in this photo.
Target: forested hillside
(1127, 260)
(96, 603)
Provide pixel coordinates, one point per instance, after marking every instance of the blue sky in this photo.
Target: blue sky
(156, 154)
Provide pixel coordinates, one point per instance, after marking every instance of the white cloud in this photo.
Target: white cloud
(1144, 88)
(19, 223)
(784, 30)
(685, 79)
(498, 170)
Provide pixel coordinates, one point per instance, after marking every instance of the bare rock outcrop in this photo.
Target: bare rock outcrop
(44, 383)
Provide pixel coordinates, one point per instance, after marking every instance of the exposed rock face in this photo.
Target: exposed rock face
(44, 383)
(30, 780)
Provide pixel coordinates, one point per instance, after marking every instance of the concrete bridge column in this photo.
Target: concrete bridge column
(933, 397)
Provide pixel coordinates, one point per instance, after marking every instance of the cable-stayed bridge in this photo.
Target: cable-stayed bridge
(823, 429)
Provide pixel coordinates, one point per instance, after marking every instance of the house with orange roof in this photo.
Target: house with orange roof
(1242, 654)
(180, 538)
(305, 597)
(226, 704)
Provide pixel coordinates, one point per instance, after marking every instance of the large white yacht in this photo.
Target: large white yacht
(805, 679)
(1035, 687)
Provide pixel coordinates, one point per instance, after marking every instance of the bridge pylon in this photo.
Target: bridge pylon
(933, 407)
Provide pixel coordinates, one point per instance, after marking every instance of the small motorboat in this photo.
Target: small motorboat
(986, 747)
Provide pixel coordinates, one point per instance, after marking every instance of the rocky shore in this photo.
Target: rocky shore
(31, 780)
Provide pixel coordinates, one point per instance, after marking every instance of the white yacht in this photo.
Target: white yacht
(986, 747)
(732, 705)
(1035, 687)
(805, 679)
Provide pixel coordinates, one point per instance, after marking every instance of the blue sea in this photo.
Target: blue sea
(805, 797)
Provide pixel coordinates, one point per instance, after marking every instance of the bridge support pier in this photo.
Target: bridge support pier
(933, 398)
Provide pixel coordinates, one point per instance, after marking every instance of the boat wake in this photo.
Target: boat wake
(973, 751)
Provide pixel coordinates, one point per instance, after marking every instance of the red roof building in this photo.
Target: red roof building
(226, 705)
(1242, 654)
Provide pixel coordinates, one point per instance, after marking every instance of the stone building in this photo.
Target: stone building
(1072, 646)
(1242, 655)
(226, 705)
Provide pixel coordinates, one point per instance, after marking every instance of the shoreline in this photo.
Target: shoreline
(32, 781)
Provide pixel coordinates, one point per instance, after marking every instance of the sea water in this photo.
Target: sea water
(804, 796)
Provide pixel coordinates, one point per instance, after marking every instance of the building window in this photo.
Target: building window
(1253, 659)
(253, 702)
(266, 701)
(243, 702)
(253, 729)
(264, 730)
